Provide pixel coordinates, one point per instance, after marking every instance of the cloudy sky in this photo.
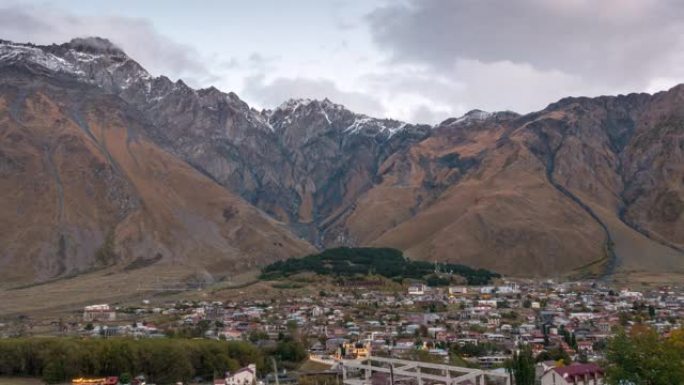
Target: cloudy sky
(415, 60)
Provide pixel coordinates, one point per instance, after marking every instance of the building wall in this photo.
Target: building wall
(553, 378)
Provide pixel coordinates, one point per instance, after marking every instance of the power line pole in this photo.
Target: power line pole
(275, 371)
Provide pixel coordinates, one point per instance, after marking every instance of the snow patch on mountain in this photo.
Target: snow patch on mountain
(335, 115)
(474, 116)
(86, 65)
(363, 123)
(99, 62)
(16, 53)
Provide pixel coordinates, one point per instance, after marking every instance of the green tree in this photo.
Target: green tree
(164, 361)
(555, 354)
(582, 357)
(573, 341)
(125, 378)
(257, 335)
(643, 357)
(53, 373)
(292, 326)
(291, 350)
(521, 367)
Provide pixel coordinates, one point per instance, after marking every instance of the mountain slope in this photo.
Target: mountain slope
(587, 185)
(585, 182)
(83, 188)
(302, 163)
(474, 195)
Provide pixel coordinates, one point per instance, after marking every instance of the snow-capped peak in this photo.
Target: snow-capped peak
(91, 60)
(469, 117)
(99, 62)
(294, 104)
(474, 115)
(15, 53)
(336, 117)
(366, 123)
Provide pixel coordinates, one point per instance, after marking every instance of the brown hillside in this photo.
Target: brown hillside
(83, 189)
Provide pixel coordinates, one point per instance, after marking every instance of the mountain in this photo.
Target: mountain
(85, 187)
(584, 184)
(103, 165)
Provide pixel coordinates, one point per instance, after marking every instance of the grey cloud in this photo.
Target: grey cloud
(472, 84)
(259, 62)
(620, 42)
(137, 37)
(273, 93)
(426, 115)
(230, 63)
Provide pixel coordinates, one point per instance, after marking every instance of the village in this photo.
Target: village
(566, 325)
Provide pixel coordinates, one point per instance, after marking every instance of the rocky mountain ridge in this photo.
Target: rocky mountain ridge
(279, 160)
(587, 185)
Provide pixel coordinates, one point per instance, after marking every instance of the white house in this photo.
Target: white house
(417, 289)
(487, 289)
(511, 288)
(458, 290)
(244, 376)
(576, 374)
(101, 312)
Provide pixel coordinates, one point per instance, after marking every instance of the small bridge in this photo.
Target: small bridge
(390, 371)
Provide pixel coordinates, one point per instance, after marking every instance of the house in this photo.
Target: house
(101, 312)
(244, 376)
(491, 361)
(585, 346)
(332, 344)
(511, 288)
(457, 290)
(576, 374)
(542, 367)
(417, 289)
(487, 289)
(230, 334)
(356, 351)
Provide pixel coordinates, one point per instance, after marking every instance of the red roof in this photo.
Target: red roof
(246, 369)
(579, 370)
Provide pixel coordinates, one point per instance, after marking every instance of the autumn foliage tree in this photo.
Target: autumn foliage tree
(642, 356)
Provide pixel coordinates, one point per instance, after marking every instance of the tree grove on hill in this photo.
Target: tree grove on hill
(161, 360)
(387, 262)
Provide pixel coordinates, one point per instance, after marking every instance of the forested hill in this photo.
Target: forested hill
(387, 262)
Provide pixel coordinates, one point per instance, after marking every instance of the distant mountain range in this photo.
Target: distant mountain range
(103, 166)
